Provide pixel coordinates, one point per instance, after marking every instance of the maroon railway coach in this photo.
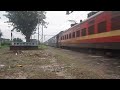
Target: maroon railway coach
(101, 30)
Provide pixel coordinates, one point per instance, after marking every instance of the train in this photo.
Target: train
(101, 30)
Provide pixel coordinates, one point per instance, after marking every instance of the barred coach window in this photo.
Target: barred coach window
(73, 35)
(115, 23)
(78, 33)
(69, 35)
(102, 27)
(91, 30)
(61, 38)
(83, 32)
(65, 36)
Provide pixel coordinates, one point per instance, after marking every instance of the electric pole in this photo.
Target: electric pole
(42, 31)
(11, 35)
(38, 34)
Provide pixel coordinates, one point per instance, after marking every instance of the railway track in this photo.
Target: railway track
(105, 52)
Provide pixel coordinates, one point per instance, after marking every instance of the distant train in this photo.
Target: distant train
(101, 30)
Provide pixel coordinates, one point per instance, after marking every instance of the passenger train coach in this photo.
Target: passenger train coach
(101, 30)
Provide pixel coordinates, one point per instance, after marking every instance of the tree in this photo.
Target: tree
(1, 34)
(26, 21)
(68, 12)
(17, 40)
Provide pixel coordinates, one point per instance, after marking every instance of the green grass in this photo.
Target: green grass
(42, 47)
(3, 46)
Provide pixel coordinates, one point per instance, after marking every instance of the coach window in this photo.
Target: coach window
(61, 38)
(102, 27)
(83, 32)
(73, 35)
(69, 35)
(91, 30)
(78, 33)
(115, 23)
(66, 36)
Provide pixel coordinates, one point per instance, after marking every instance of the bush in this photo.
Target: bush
(5, 44)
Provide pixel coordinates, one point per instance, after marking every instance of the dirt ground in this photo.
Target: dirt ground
(56, 63)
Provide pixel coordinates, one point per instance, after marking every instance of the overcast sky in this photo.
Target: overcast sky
(58, 21)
